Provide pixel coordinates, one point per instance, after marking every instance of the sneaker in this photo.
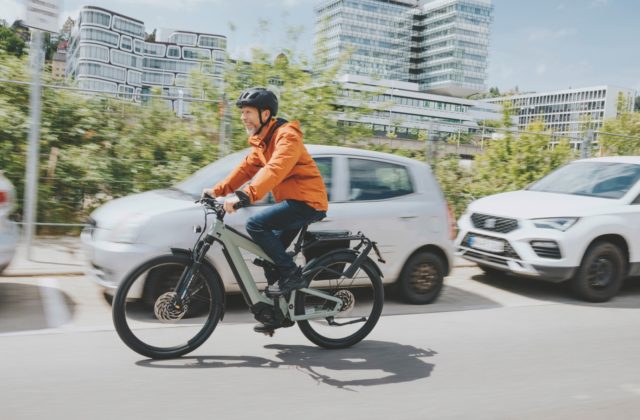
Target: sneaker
(270, 328)
(293, 281)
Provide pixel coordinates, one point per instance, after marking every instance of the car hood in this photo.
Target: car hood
(147, 204)
(525, 204)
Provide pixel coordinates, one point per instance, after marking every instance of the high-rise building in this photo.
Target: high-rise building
(108, 52)
(568, 112)
(451, 46)
(442, 45)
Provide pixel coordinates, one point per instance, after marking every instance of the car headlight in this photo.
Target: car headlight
(127, 231)
(557, 223)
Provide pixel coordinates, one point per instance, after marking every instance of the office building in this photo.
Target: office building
(400, 108)
(108, 52)
(441, 45)
(568, 112)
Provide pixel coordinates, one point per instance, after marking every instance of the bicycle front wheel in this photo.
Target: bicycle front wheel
(362, 300)
(149, 320)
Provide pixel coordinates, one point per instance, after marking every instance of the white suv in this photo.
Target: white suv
(580, 223)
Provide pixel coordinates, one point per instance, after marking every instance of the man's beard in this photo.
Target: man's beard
(251, 131)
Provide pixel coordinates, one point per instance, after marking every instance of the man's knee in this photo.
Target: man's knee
(254, 224)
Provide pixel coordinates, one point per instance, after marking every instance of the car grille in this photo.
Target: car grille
(488, 258)
(508, 252)
(493, 223)
(546, 249)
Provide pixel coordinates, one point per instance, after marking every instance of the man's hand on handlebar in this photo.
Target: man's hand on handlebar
(240, 200)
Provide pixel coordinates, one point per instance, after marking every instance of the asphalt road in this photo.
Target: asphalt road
(487, 349)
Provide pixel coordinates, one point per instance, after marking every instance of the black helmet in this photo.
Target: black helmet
(260, 98)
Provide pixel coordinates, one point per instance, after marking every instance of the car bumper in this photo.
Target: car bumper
(9, 236)
(108, 263)
(555, 274)
(518, 254)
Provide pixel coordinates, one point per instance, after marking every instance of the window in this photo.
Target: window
(99, 35)
(125, 42)
(376, 180)
(96, 18)
(173, 52)
(130, 27)
(325, 164)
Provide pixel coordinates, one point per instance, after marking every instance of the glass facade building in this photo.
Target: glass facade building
(568, 112)
(108, 52)
(441, 45)
(400, 108)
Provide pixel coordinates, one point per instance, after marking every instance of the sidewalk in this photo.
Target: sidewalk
(50, 256)
(63, 256)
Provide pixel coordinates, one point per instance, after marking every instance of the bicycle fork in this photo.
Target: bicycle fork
(190, 272)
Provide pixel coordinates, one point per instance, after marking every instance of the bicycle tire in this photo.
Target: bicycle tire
(213, 315)
(368, 273)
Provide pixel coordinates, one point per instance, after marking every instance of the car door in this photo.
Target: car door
(374, 197)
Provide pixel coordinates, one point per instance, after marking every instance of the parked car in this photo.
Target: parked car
(395, 201)
(8, 229)
(580, 223)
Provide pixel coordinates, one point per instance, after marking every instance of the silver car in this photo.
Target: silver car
(8, 229)
(395, 201)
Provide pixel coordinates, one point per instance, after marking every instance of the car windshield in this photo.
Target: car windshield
(594, 179)
(210, 175)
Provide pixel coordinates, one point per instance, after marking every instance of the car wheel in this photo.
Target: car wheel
(422, 278)
(108, 298)
(600, 274)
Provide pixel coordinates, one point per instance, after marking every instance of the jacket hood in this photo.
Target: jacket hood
(257, 140)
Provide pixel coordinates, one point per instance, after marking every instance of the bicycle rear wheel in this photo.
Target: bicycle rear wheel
(362, 297)
(153, 325)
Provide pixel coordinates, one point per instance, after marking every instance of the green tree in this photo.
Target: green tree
(11, 42)
(636, 106)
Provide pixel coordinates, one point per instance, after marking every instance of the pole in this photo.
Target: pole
(31, 188)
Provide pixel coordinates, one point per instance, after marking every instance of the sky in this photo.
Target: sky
(536, 45)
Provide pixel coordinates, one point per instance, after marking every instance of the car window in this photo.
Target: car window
(376, 180)
(211, 174)
(325, 164)
(594, 179)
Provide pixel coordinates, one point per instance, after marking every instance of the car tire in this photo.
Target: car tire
(108, 298)
(600, 274)
(422, 278)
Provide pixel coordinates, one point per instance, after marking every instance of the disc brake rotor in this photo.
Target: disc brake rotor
(348, 301)
(166, 310)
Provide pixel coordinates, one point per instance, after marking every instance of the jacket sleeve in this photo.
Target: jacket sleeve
(240, 174)
(287, 152)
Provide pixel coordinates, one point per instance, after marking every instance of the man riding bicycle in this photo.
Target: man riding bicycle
(278, 163)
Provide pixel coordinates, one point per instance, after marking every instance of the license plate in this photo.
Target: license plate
(486, 244)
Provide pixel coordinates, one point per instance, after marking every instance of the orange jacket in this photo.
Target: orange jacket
(283, 166)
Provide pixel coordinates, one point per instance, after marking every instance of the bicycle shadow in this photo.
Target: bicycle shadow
(371, 363)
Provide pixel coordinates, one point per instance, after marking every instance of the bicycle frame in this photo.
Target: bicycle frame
(232, 242)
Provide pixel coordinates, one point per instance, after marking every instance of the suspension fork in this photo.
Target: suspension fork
(190, 272)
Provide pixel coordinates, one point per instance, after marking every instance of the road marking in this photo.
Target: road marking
(54, 306)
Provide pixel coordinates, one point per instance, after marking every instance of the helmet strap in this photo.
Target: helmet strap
(262, 123)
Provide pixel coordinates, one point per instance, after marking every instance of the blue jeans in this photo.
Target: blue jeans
(276, 227)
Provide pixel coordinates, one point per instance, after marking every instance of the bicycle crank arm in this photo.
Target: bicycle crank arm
(341, 324)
